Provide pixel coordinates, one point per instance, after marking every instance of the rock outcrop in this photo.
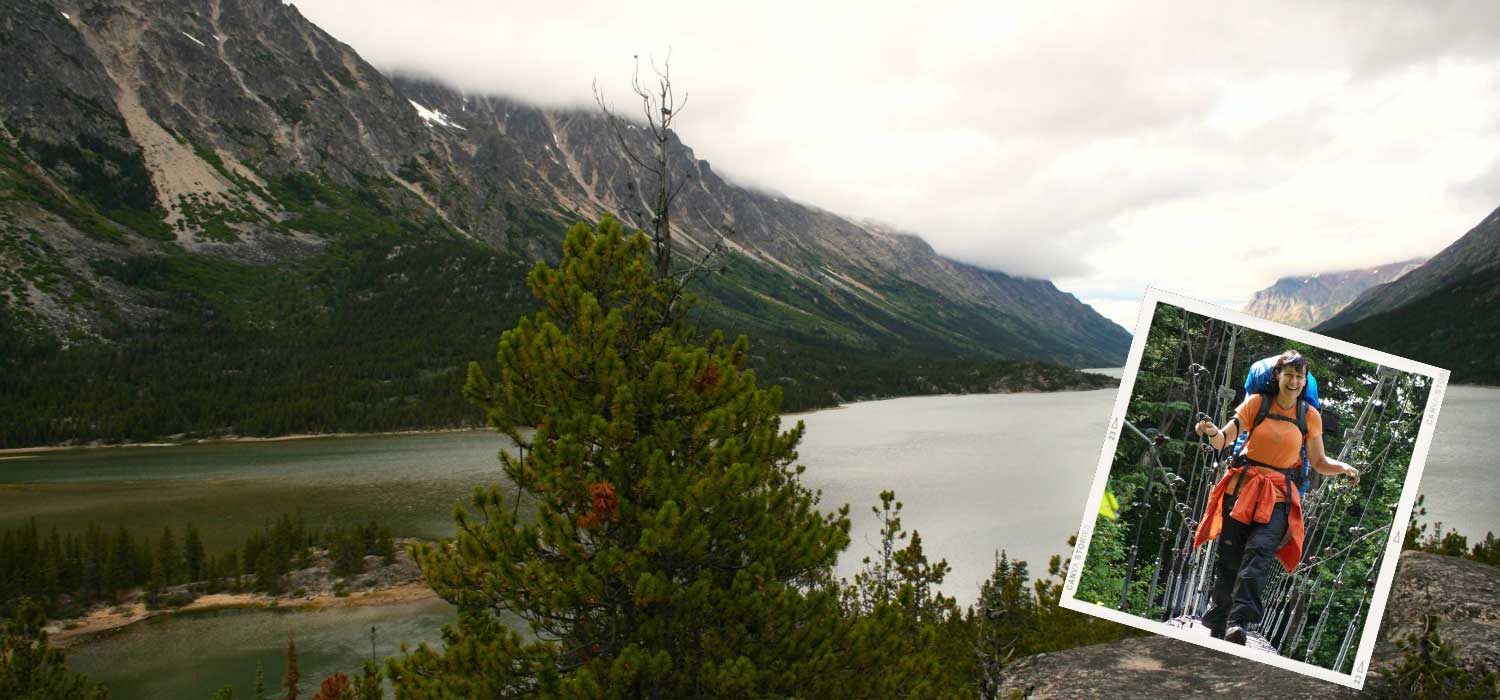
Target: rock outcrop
(1306, 301)
(1462, 593)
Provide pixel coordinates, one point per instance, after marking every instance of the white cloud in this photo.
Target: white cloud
(1199, 148)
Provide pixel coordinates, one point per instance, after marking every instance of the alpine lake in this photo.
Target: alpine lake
(976, 474)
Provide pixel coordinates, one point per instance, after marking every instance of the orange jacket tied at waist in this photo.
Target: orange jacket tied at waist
(1257, 495)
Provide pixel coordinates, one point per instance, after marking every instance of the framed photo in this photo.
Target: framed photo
(1254, 488)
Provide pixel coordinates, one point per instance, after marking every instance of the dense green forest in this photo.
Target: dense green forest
(1456, 327)
(1143, 561)
(67, 573)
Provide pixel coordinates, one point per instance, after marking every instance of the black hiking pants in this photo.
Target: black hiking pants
(1246, 554)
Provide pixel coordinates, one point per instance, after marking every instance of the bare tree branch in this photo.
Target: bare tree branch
(659, 106)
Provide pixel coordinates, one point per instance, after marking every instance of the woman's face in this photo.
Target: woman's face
(1291, 379)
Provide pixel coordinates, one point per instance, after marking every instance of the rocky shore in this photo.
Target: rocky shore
(313, 587)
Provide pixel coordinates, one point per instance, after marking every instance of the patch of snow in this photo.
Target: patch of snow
(434, 117)
(66, 17)
(195, 40)
(216, 38)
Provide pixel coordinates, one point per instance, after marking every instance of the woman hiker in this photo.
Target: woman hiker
(1255, 510)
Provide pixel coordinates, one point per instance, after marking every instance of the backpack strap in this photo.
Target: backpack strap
(1302, 407)
(1240, 455)
(1261, 414)
(1302, 421)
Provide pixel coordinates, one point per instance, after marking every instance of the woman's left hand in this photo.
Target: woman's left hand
(1353, 475)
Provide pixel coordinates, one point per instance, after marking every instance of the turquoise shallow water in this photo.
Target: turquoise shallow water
(190, 656)
(976, 474)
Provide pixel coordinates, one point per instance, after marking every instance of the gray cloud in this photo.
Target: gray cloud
(1105, 146)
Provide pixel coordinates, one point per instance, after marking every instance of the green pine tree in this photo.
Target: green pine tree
(193, 557)
(290, 679)
(367, 683)
(915, 637)
(1429, 670)
(31, 669)
(1001, 621)
(268, 571)
(124, 569)
(348, 554)
(169, 558)
(673, 550)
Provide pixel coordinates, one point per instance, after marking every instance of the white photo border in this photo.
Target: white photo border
(1356, 678)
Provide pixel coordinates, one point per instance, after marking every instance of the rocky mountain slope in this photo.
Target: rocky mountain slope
(1305, 302)
(1445, 313)
(201, 188)
(1477, 252)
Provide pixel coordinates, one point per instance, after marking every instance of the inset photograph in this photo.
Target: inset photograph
(1254, 489)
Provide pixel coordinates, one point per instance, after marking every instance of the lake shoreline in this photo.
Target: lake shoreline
(102, 622)
(13, 453)
(23, 452)
(313, 587)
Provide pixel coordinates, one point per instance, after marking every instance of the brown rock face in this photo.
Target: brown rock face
(1158, 668)
(1305, 302)
(1465, 595)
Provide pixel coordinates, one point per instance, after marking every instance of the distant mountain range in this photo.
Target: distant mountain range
(220, 218)
(1306, 301)
(1445, 312)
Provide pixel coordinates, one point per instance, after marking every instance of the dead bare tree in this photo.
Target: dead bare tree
(660, 108)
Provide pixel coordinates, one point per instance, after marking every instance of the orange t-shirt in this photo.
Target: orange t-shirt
(1275, 442)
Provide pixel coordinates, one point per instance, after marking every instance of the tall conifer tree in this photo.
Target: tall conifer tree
(674, 551)
(169, 559)
(29, 668)
(193, 555)
(292, 676)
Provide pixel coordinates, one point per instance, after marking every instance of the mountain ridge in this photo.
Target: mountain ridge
(1445, 313)
(1307, 300)
(1476, 251)
(227, 167)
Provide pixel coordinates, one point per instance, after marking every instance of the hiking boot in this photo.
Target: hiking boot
(1235, 635)
(1216, 632)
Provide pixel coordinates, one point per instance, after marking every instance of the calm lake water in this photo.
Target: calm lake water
(976, 474)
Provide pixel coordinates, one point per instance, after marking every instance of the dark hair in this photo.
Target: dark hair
(1290, 358)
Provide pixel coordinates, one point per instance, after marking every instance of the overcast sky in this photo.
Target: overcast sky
(1202, 148)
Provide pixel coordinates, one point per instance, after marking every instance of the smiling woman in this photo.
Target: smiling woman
(1263, 518)
(1236, 525)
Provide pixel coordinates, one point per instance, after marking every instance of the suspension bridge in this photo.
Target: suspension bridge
(1343, 524)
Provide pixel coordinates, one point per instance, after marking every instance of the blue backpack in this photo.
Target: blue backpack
(1258, 381)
